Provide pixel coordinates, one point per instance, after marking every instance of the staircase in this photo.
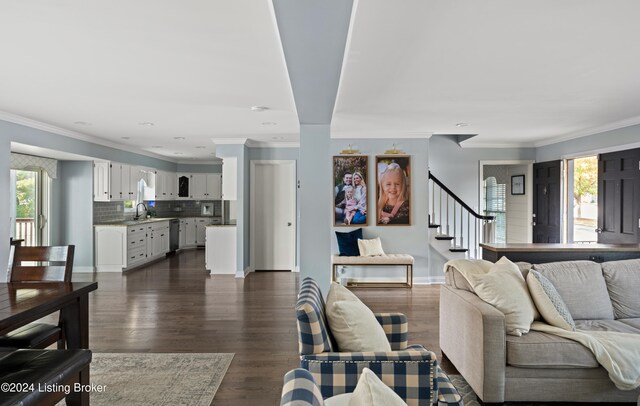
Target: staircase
(456, 230)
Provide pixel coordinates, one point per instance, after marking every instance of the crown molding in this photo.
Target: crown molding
(590, 131)
(272, 144)
(381, 134)
(38, 125)
(194, 162)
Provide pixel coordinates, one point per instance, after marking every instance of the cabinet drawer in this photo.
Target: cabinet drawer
(136, 255)
(136, 241)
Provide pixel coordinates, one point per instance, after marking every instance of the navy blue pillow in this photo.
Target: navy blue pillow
(348, 243)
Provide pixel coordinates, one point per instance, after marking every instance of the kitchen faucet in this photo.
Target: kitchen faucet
(138, 214)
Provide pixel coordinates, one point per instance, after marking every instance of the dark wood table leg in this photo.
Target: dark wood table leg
(82, 398)
(75, 321)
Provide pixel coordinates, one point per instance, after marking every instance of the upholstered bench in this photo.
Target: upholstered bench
(42, 377)
(379, 260)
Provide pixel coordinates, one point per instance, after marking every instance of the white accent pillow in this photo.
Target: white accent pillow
(370, 248)
(549, 302)
(370, 391)
(504, 288)
(352, 323)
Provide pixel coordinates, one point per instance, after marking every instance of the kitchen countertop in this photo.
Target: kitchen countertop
(221, 225)
(126, 223)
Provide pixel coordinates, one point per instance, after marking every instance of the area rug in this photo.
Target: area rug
(156, 378)
(470, 399)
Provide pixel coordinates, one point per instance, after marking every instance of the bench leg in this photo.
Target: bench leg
(80, 398)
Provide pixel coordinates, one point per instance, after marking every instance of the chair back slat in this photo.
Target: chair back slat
(41, 264)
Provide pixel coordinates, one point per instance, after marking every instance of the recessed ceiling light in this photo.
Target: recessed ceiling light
(178, 138)
(462, 124)
(269, 123)
(146, 123)
(259, 108)
(157, 146)
(125, 138)
(200, 147)
(81, 123)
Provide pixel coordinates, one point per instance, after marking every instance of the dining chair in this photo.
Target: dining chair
(42, 265)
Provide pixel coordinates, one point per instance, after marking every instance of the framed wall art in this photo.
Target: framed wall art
(517, 185)
(393, 194)
(350, 190)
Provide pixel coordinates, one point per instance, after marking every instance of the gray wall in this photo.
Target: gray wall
(75, 220)
(459, 168)
(623, 138)
(199, 168)
(411, 239)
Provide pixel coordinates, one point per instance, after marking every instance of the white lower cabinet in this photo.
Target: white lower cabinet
(193, 231)
(120, 248)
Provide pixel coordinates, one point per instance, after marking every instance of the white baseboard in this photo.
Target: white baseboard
(243, 274)
(428, 280)
(84, 269)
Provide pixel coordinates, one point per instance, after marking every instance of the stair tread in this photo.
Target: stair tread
(458, 249)
(444, 237)
(434, 225)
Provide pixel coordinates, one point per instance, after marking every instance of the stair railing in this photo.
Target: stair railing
(483, 226)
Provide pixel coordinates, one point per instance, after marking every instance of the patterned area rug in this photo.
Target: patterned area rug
(470, 398)
(156, 378)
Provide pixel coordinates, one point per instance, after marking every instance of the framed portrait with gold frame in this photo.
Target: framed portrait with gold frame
(393, 190)
(350, 190)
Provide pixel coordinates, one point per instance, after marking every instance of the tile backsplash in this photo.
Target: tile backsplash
(105, 212)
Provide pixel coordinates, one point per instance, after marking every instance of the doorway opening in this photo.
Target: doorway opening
(29, 207)
(582, 201)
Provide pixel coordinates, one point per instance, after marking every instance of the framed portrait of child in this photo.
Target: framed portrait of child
(393, 190)
(350, 190)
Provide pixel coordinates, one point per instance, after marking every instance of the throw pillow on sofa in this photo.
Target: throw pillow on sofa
(549, 302)
(352, 323)
(505, 288)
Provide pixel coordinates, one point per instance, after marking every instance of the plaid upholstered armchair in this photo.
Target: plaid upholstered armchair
(411, 371)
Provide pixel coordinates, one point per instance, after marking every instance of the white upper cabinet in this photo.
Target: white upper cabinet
(198, 186)
(214, 186)
(101, 185)
(230, 178)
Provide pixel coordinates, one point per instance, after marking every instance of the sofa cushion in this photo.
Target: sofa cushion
(608, 325)
(453, 277)
(623, 284)
(634, 322)
(542, 350)
(582, 287)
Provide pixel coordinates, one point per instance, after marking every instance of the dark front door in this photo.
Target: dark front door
(618, 197)
(546, 202)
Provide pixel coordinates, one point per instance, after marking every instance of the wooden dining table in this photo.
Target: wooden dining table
(24, 302)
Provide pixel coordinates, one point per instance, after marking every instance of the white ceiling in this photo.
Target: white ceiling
(519, 73)
(193, 68)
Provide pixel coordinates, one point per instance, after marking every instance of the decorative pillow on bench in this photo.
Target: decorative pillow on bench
(348, 243)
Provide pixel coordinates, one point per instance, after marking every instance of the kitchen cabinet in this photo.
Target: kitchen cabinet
(206, 186)
(230, 178)
(190, 231)
(182, 239)
(166, 188)
(221, 249)
(123, 247)
(101, 173)
(201, 230)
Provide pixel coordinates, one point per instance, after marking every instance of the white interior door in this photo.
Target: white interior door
(273, 216)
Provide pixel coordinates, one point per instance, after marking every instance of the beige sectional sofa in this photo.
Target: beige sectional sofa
(539, 366)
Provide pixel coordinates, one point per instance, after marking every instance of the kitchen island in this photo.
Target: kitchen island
(539, 253)
(221, 249)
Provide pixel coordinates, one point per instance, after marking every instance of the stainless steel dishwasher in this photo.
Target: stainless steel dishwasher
(174, 234)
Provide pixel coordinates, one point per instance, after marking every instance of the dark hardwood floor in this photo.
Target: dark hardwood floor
(174, 306)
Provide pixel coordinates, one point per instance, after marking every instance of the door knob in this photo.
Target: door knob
(598, 230)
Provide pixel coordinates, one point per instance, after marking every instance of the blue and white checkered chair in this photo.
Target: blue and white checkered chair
(411, 371)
